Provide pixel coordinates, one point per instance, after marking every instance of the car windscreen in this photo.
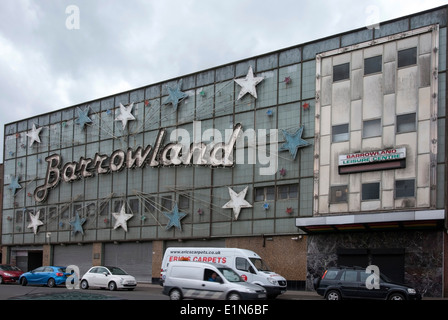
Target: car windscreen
(117, 271)
(230, 275)
(259, 264)
(9, 268)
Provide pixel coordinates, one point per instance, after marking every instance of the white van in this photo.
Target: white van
(246, 263)
(203, 280)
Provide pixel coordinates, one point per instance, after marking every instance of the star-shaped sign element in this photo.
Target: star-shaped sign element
(77, 224)
(35, 222)
(237, 202)
(125, 114)
(293, 142)
(175, 95)
(248, 84)
(121, 218)
(34, 134)
(175, 218)
(83, 117)
(14, 185)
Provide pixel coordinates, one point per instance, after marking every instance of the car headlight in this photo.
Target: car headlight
(8, 274)
(273, 281)
(411, 291)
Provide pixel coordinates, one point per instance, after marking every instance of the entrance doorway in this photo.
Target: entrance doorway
(389, 261)
(35, 259)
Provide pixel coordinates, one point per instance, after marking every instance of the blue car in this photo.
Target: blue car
(47, 275)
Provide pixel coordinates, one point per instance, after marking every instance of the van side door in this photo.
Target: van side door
(212, 286)
(244, 269)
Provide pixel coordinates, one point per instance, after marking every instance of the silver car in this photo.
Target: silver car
(203, 280)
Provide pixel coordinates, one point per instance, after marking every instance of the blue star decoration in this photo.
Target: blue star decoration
(175, 95)
(175, 218)
(77, 224)
(83, 117)
(14, 185)
(293, 142)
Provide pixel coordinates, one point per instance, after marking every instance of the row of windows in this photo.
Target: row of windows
(372, 128)
(371, 191)
(283, 192)
(406, 57)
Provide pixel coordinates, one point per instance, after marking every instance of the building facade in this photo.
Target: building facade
(327, 153)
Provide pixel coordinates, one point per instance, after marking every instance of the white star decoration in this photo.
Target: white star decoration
(35, 222)
(34, 134)
(248, 84)
(125, 114)
(237, 202)
(121, 218)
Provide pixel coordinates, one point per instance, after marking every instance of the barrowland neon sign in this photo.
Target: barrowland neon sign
(188, 152)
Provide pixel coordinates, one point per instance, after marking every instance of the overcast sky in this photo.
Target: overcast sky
(58, 53)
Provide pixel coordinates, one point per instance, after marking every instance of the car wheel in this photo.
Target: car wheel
(23, 281)
(84, 284)
(175, 294)
(233, 296)
(51, 283)
(333, 295)
(112, 286)
(396, 296)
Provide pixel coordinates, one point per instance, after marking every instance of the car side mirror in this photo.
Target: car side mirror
(105, 273)
(219, 279)
(251, 270)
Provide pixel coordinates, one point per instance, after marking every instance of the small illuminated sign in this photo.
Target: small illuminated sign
(372, 161)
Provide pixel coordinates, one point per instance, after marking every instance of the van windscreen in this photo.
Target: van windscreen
(259, 264)
(230, 275)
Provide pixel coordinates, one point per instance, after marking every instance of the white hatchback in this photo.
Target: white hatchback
(112, 278)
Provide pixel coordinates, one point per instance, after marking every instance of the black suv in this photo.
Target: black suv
(350, 282)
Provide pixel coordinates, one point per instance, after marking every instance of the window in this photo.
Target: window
(19, 216)
(406, 123)
(287, 192)
(371, 128)
(134, 204)
(184, 202)
(350, 276)
(373, 65)
(242, 264)
(407, 57)
(338, 194)
(340, 133)
(404, 188)
(264, 193)
(104, 209)
(341, 72)
(371, 191)
(167, 203)
(149, 205)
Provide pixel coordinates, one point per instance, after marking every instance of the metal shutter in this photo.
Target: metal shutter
(135, 258)
(80, 256)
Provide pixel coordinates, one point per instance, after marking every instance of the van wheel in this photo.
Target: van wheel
(233, 296)
(175, 294)
(333, 295)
